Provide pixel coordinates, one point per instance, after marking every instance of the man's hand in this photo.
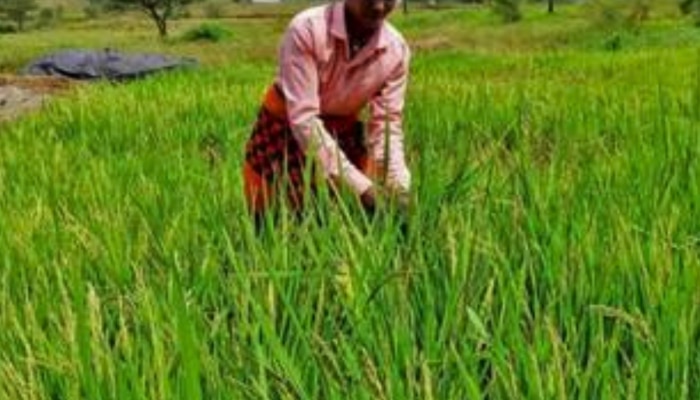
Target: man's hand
(369, 201)
(376, 197)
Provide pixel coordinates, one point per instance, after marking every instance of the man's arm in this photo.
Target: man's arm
(299, 81)
(386, 131)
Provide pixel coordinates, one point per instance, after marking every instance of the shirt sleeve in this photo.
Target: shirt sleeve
(386, 138)
(299, 82)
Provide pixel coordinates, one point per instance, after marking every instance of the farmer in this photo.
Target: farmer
(334, 60)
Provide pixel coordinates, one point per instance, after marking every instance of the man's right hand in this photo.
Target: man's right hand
(369, 201)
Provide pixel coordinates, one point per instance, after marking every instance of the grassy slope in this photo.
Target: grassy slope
(553, 252)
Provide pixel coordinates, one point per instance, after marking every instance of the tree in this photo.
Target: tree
(550, 6)
(686, 6)
(17, 11)
(691, 7)
(160, 11)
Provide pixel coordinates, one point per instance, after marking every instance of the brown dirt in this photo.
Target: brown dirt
(20, 94)
(42, 84)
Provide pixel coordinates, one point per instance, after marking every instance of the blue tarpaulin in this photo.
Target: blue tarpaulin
(104, 64)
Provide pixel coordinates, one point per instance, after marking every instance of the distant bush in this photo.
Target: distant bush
(686, 6)
(49, 16)
(508, 10)
(45, 17)
(92, 11)
(207, 32)
(613, 42)
(7, 28)
(691, 7)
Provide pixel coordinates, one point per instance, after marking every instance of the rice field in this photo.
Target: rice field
(553, 245)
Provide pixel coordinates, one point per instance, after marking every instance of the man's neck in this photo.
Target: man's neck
(353, 29)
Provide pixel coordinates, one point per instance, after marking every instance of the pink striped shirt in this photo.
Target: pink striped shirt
(318, 77)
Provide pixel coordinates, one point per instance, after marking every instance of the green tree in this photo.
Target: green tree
(160, 11)
(686, 6)
(17, 11)
(691, 7)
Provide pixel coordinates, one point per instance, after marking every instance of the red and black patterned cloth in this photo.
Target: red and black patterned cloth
(272, 148)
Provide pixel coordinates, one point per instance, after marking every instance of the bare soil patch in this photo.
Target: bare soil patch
(20, 95)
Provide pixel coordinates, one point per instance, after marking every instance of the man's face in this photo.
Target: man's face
(370, 14)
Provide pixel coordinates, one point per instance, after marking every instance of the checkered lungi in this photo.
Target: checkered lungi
(274, 161)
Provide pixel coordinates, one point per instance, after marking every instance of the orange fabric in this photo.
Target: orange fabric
(257, 191)
(260, 194)
(274, 102)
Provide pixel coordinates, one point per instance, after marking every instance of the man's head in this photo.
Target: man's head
(367, 16)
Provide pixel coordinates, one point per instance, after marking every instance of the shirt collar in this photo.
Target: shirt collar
(339, 30)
